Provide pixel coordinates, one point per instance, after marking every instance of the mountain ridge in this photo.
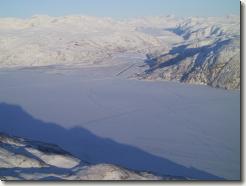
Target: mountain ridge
(93, 41)
(25, 159)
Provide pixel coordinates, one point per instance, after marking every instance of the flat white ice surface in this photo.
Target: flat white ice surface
(191, 125)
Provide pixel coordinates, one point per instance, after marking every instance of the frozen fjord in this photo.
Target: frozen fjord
(192, 125)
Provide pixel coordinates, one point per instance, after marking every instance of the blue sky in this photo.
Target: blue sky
(118, 8)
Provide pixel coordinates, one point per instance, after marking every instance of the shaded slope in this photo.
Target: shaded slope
(90, 147)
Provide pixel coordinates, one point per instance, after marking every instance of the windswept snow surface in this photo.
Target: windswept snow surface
(191, 125)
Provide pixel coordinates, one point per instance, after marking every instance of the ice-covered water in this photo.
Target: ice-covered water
(192, 125)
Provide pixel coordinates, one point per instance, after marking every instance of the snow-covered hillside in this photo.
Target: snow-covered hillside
(209, 54)
(22, 159)
(74, 81)
(194, 50)
(71, 40)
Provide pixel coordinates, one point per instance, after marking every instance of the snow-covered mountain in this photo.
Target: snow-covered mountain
(209, 54)
(71, 40)
(24, 159)
(194, 50)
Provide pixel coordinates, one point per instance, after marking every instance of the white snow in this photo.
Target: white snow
(72, 71)
(109, 172)
(17, 152)
(17, 164)
(57, 160)
(9, 159)
(84, 40)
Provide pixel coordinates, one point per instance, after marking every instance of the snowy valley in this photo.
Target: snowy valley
(193, 50)
(96, 98)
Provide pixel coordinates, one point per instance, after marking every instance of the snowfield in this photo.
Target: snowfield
(177, 129)
(47, 41)
(193, 50)
(135, 93)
